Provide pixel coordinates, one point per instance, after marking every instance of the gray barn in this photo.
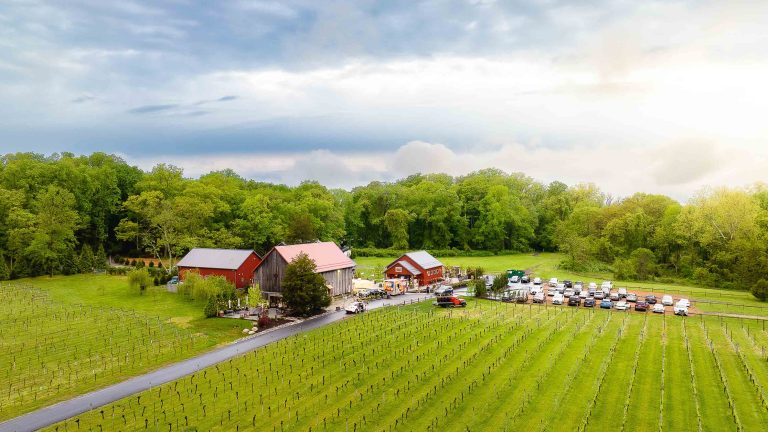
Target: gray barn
(337, 268)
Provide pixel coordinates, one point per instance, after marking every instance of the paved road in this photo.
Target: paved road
(70, 408)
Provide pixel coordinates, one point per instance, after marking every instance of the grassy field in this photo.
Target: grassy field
(490, 366)
(546, 265)
(64, 336)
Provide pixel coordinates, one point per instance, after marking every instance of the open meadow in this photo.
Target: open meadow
(489, 366)
(64, 336)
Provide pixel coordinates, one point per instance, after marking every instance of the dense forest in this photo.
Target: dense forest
(58, 212)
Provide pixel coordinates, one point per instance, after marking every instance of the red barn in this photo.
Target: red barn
(420, 266)
(236, 265)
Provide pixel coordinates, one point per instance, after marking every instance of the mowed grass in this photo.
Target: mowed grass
(546, 265)
(490, 366)
(64, 336)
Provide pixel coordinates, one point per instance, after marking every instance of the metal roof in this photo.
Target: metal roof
(424, 259)
(326, 255)
(413, 270)
(228, 259)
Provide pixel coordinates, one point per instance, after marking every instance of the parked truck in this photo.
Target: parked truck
(450, 301)
(395, 286)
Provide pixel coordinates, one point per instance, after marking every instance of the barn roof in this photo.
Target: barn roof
(411, 269)
(424, 259)
(228, 259)
(326, 255)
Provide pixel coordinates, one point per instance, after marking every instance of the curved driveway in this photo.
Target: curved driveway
(80, 404)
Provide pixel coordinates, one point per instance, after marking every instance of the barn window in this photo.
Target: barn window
(398, 269)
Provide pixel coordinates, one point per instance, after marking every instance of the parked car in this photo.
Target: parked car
(583, 294)
(614, 296)
(641, 306)
(574, 300)
(514, 279)
(537, 281)
(557, 299)
(631, 297)
(589, 302)
(592, 286)
(355, 307)
(685, 302)
(622, 306)
(489, 280)
(551, 292)
(525, 279)
(536, 289)
(607, 284)
(444, 290)
(658, 308)
(578, 285)
(650, 298)
(539, 297)
(568, 284)
(553, 282)
(606, 304)
(599, 295)
(622, 292)
(667, 300)
(591, 291)
(568, 292)
(681, 308)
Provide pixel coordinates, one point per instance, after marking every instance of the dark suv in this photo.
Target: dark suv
(651, 299)
(574, 300)
(589, 302)
(568, 284)
(525, 279)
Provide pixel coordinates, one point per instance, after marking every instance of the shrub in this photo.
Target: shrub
(760, 290)
(211, 308)
(151, 264)
(480, 289)
(264, 321)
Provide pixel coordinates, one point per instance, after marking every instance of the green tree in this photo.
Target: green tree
(396, 221)
(499, 284)
(5, 274)
(100, 259)
(55, 223)
(644, 262)
(139, 280)
(86, 259)
(304, 290)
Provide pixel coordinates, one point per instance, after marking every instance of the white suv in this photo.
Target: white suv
(553, 282)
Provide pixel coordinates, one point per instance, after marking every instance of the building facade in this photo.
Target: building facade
(417, 266)
(236, 265)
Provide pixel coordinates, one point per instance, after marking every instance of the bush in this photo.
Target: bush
(151, 264)
(211, 308)
(480, 289)
(760, 290)
(264, 321)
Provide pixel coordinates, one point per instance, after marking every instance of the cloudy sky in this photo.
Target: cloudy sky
(665, 97)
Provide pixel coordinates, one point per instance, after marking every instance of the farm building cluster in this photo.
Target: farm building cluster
(244, 268)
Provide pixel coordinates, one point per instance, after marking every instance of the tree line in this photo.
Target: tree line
(57, 211)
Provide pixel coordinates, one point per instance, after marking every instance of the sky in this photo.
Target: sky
(663, 97)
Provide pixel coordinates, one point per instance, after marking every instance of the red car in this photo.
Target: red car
(641, 306)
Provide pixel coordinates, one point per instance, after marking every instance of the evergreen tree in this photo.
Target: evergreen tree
(86, 259)
(100, 260)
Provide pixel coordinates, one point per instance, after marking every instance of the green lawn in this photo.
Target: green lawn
(546, 265)
(64, 336)
(490, 366)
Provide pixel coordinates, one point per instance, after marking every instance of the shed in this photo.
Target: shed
(419, 266)
(334, 265)
(236, 265)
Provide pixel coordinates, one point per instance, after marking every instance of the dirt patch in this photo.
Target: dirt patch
(182, 322)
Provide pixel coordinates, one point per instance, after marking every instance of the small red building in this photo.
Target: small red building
(419, 266)
(236, 265)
